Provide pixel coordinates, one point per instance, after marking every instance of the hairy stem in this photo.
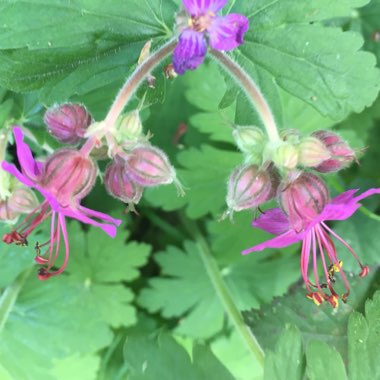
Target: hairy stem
(223, 292)
(9, 297)
(134, 81)
(252, 91)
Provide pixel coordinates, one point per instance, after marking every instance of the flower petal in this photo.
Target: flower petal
(273, 221)
(100, 215)
(226, 33)
(345, 205)
(190, 51)
(11, 169)
(29, 166)
(280, 241)
(76, 214)
(199, 7)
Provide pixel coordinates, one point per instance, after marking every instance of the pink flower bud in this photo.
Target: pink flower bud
(23, 201)
(148, 166)
(69, 175)
(249, 187)
(7, 213)
(312, 152)
(68, 122)
(119, 184)
(302, 198)
(341, 155)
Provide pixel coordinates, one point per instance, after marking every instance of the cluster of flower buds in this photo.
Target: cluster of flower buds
(282, 169)
(136, 164)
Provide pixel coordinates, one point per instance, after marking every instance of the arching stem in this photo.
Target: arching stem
(252, 91)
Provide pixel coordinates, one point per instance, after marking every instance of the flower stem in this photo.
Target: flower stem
(126, 92)
(9, 297)
(252, 91)
(133, 82)
(222, 291)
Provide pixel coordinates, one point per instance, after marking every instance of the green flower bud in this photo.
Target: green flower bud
(130, 126)
(285, 156)
(312, 152)
(249, 139)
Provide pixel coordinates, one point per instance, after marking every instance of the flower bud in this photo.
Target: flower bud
(302, 198)
(23, 200)
(312, 152)
(249, 187)
(169, 72)
(249, 139)
(341, 155)
(119, 184)
(292, 136)
(129, 126)
(148, 166)
(286, 156)
(6, 213)
(69, 175)
(68, 122)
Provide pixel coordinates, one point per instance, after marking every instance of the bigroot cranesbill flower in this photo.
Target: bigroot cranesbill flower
(63, 180)
(317, 240)
(203, 24)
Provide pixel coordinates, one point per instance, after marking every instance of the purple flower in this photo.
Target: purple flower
(316, 237)
(222, 33)
(63, 180)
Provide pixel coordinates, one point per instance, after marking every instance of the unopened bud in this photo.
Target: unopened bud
(286, 156)
(148, 166)
(130, 126)
(69, 175)
(119, 184)
(312, 152)
(169, 72)
(292, 136)
(23, 200)
(341, 155)
(249, 187)
(6, 213)
(303, 198)
(68, 122)
(249, 139)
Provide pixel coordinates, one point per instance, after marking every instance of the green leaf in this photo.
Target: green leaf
(334, 78)
(15, 259)
(163, 358)
(74, 367)
(51, 312)
(315, 322)
(287, 361)
(231, 351)
(97, 267)
(364, 342)
(185, 289)
(360, 233)
(370, 23)
(204, 169)
(324, 362)
(74, 48)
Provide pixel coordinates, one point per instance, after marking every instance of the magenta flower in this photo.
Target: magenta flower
(316, 237)
(222, 33)
(63, 180)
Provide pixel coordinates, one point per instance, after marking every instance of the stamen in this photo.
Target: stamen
(344, 243)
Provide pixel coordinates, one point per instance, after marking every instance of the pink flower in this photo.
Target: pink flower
(65, 178)
(316, 237)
